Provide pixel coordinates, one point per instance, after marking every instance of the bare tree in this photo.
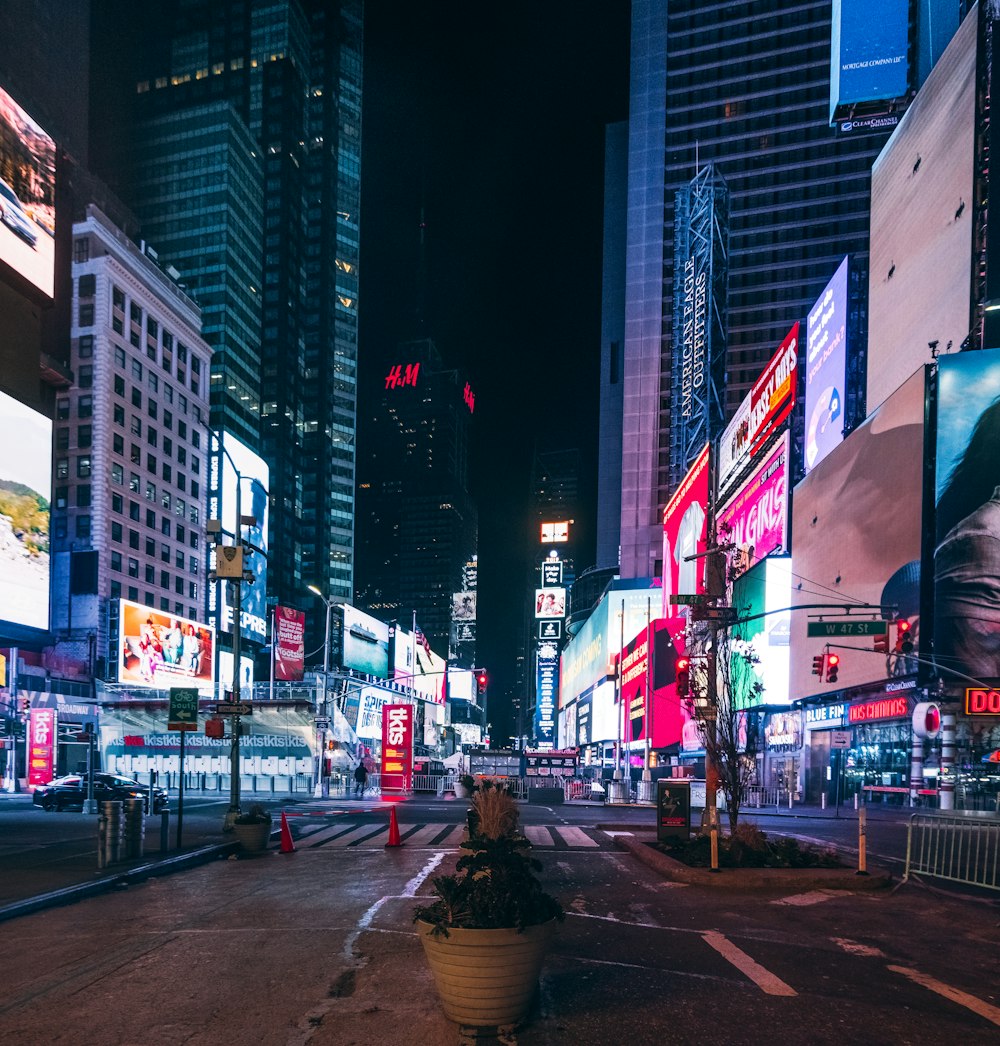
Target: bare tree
(725, 691)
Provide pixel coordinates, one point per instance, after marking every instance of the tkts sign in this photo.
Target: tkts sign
(397, 748)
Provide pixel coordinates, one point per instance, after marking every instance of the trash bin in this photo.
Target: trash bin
(617, 792)
(134, 828)
(110, 831)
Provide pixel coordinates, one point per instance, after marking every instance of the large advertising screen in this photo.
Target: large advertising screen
(826, 368)
(366, 643)
(765, 594)
(685, 531)
(229, 457)
(550, 602)
(163, 650)
(967, 503)
(289, 643)
(922, 216)
(642, 673)
(755, 521)
(25, 491)
(27, 196)
(761, 413)
(546, 691)
(868, 54)
(856, 532)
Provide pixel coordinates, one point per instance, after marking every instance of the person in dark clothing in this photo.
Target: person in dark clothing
(360, 780)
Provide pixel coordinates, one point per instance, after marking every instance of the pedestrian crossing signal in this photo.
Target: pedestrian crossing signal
(819, 663)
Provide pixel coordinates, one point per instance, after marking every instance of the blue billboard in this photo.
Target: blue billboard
(826, 368)
(546, 693)
(868, 52)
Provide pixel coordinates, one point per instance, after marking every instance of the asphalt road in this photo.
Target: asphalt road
(316, 947)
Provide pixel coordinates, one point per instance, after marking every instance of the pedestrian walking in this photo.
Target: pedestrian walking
(360, 780)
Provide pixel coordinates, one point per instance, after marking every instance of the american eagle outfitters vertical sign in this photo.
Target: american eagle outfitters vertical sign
(397, 748)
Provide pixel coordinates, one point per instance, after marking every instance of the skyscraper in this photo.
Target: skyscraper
(746, 88)
(253, 111)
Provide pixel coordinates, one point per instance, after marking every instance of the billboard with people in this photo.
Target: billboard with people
(161, 650)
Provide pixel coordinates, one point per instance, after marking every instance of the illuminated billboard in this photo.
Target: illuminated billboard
(289, 643)
(685, 531)
(868, 53)
(755, 520)
(762, 412)
(162, 650)
(546, 695)
(27, 196)
(229, 457)
(922, 216)
(550, 602)
(225, 680)
(555, 533)
(25, 490)
(365, 645)
(463, 606)
(826, 368)
(966, 578)
(765, 594)
(856, 531)
(641, 673)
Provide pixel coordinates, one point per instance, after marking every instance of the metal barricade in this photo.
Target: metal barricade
(959, 847)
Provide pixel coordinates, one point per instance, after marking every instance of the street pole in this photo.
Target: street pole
(321, 783)
(234, 746)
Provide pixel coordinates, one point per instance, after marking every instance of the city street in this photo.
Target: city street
(316, 947)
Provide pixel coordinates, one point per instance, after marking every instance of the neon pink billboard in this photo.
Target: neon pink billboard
(41, 746)
(642, 674)
(685, 532)
(756, 519)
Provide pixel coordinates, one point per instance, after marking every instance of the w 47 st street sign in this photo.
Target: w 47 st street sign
(834, 629)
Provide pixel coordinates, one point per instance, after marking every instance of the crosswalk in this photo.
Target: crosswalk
(437, 836)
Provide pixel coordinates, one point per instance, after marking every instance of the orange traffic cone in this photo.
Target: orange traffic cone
(394, 839)
(287, 846)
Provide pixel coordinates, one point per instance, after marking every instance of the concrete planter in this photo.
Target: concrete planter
(486, 977)
(253, 838)
(461, 792)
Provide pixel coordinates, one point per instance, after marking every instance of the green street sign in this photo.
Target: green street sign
(836, 629)
(183, 713)
(689, 600)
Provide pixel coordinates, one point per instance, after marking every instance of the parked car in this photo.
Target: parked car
(71, 791)
(13, 215)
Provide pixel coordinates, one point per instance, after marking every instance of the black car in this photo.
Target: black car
(71, 792)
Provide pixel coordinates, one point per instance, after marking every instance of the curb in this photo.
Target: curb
(72, 894)
(642, 848)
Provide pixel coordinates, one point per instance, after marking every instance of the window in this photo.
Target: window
(168, 420)
(151, 463)
(137, 370)
(133, 567)
(83, 495)
(149, 600)
(182, 403)
(81, 249)
(165, 604)
(62, 410)
(195, 463)
(165, 526)
(180, 507)
(179, 586)
(165, 553)
(193, 594)
(119, 385)
(164, 579)
(167, 472)
(153, 382)
(179, 560)
(192, 565)
(83, 526)
(119, 414)
(85, 406)
(152, 409)
(117, 503)
(83, 466)
(85, 346)
(118, 443)
(165, 502)
(135, 427)
(168, 392)
(87, 285)
(84, 436)
(85, 376)
(135, 454)
(150, 490)
(181, 481)
(180, 533)
(133, 482)
(117, 473)
(196, 439)
(182, 429)
(150, 519)
(194, 514)
(133, 593)
(150, 547)
(62, 439)
(133, 539)
(116, 561)
(116, 532)
(194, 488)
(181, 455)
(116, 587)
(62, 496)
(62, 468)
(150, 574)
(119, 358)
(137, 398)
(134, 512)
(87, 314)
(194, 542)
(168, 446)
(152, 436)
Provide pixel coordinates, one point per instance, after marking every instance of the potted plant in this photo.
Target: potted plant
(486, 932)
(253, 828)
(465, 785)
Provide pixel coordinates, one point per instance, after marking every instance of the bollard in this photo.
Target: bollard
(164, 830)
(134, 825)
(713, 829)
(109, 833)
(862, 843)
(855, 800)
(822, 800)
(789, 798)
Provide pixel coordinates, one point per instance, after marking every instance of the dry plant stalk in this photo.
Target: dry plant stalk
(496, 811)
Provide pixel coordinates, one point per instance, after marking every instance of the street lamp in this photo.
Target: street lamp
(321, 786)
(230, 568)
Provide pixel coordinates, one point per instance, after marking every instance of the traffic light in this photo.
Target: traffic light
(882, 643)
(481, 682)
(904, 638)
(819, 663)
(25, 705)
(832, 664)
(682, 676)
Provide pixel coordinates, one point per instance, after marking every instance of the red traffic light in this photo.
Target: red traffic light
(904, 637)
(832, 665)
(481, 682)
(819, 662)
(834, 660)
(682, 676)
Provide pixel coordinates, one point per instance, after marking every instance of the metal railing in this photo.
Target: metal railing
(962, 848)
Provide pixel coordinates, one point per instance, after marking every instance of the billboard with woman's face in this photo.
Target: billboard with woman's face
(967, 503)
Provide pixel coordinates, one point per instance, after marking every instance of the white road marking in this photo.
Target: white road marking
(575, 837)
(800, 900)
(764, 979)
(323, 834)
(454, 838)
(854, 948)
(424, 835)
(537, 835)
(970, 1002)
(359, 833)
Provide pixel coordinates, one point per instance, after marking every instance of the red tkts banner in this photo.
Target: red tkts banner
(397, 748)
(289, 640)
(41, 746)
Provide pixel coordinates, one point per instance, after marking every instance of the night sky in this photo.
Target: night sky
(492, 117)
